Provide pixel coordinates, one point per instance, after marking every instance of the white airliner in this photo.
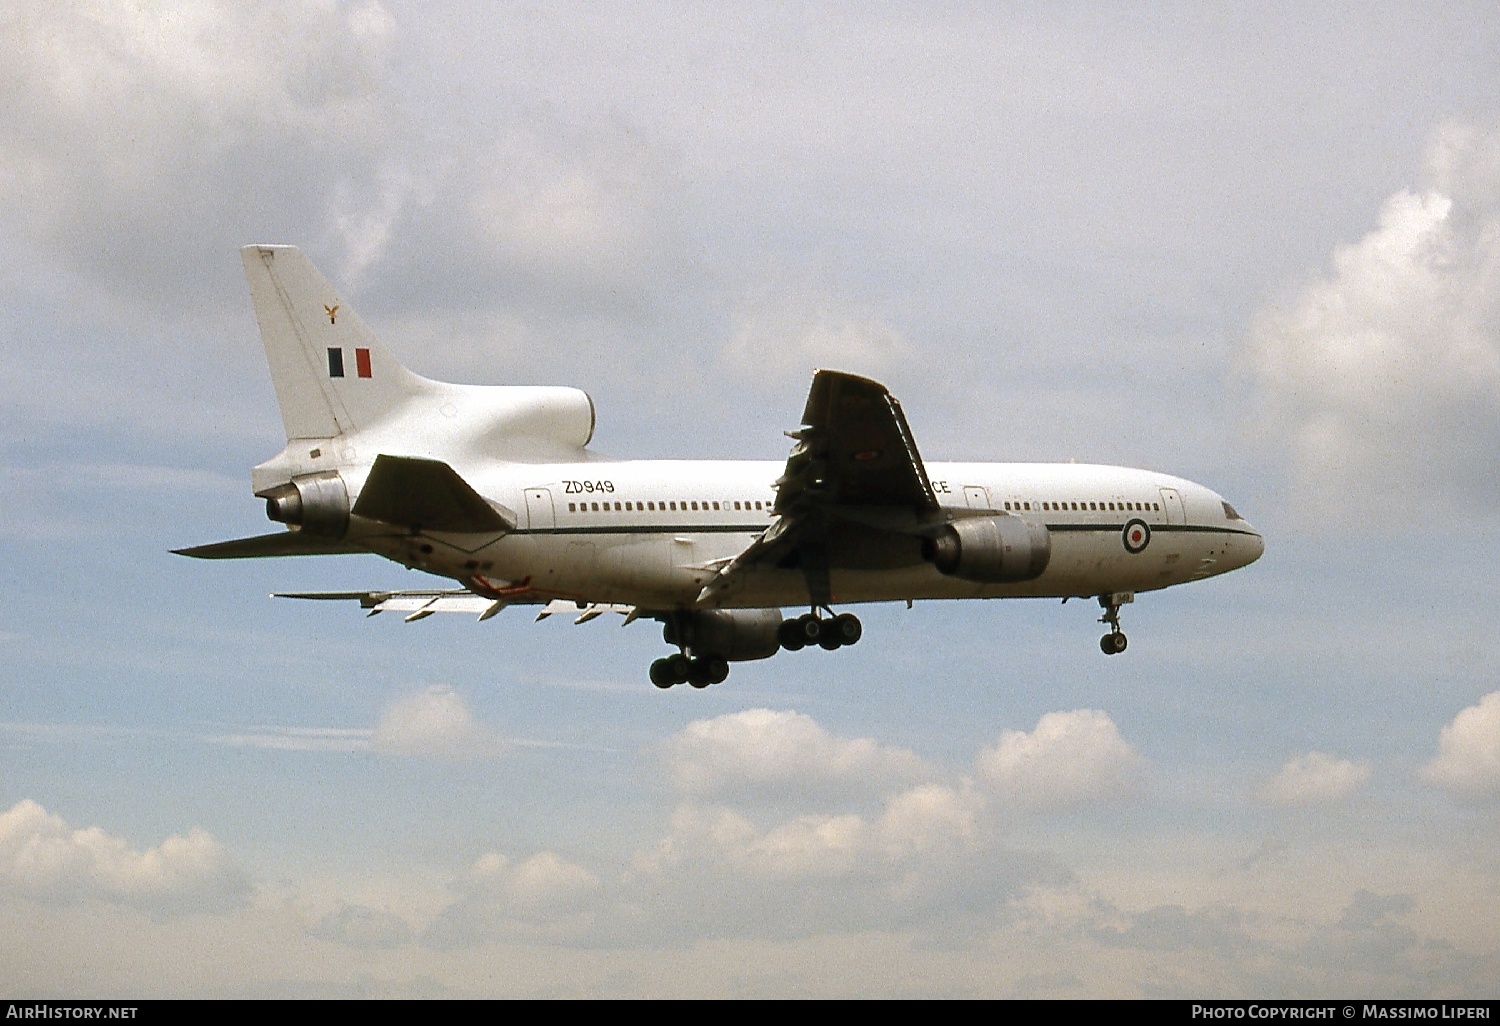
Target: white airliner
(493, 487)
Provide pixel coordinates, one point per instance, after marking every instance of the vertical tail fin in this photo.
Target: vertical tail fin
(331, 376)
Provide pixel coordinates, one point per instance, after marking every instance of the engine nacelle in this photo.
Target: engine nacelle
(737, 635)
(317, 504)
(991, 550)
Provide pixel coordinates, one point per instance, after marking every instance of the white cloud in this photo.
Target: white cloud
(543, 897)
(767, 753)
(128, 124)
(543, 881)
(1315, 778)
(1468, 758)
(41, 856)
(1070, 757)
(434, 723)
(1382, 378)
(929, 818)
(786, 332)
(297, 739)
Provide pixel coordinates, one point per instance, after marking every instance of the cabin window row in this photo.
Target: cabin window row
(1084, 507)
(680, 506)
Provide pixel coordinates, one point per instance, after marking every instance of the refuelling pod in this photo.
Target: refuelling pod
(316, 504)
(990, 550)
(737, 635)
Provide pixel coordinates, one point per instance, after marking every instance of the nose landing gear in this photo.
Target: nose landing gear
(1114, 642)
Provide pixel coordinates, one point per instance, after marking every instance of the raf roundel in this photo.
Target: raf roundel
(1136, 536)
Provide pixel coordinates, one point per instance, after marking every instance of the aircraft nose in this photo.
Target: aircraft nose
(1255, 547)
(1247, 547)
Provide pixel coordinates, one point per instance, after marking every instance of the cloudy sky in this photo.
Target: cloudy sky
(1255, 246)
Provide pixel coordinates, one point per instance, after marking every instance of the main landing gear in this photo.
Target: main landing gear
(811, 629)
(699, 671)
(1114, 642)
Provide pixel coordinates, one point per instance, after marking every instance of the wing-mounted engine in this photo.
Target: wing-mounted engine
(736, 635)
(317, 504)
(990, 550)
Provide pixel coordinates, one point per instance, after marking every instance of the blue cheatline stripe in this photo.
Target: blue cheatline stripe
(335, 362)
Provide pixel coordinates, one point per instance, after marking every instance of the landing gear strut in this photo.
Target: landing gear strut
(1114, 642)
(811, 629)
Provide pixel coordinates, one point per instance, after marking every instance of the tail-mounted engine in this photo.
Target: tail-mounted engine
(317, 504)
(990, 550)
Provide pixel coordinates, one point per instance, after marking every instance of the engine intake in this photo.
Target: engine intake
(991, 550)
(317, 504)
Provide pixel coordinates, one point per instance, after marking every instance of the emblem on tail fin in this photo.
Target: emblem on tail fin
(333, 313)
(336, 362)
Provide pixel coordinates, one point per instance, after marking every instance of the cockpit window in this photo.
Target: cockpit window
(1229, 511)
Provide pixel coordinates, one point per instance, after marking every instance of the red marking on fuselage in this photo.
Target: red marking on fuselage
(480, 586)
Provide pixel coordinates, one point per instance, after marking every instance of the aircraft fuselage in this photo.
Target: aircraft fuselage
(654, 533)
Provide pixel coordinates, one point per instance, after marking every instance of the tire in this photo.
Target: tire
(698, 673)
(790, 636)
(811, 628)
(661, 674)
(847, 628)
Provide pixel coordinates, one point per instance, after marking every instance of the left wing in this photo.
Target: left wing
(854, 492)
(421, 604)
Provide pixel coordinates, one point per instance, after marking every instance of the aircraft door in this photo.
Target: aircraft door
(539, 515)
(1171, 504)
(977, 497)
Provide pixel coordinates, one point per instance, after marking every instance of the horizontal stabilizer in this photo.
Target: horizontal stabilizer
(426, 495)
(282, 543)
